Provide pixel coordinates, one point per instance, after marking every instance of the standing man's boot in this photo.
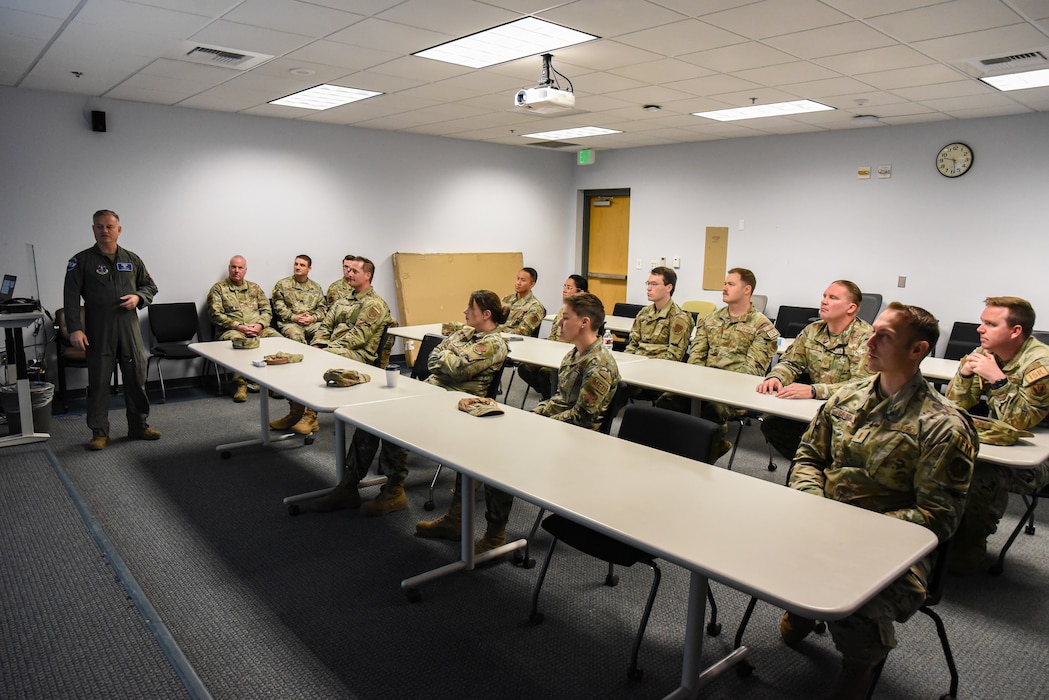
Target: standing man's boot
(295, 411)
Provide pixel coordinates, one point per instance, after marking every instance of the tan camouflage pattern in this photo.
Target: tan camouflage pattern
(586, 384)
(230, 306)
(555, 332)
(339, 289)
(745, 344)
(291, 298)
(1022, 403)
(831, 360)
(909, 456)
(663, 334)
(353, 327)
(467, 360)
(525, 314)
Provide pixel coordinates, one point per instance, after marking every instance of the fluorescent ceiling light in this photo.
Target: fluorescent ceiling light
(324, 97)
(576, 133)
(778, 109)
(508, 42)
(1019, 81)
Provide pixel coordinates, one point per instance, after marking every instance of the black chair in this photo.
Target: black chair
(172, 327)
(619, 341)
(678, 433)
(419, 369)
(386, 341)
(870, 305)
(963, 340)
(791, 319)
(67, 357)
(493, 391)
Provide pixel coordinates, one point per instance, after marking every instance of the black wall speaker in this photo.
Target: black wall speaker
(98, 121)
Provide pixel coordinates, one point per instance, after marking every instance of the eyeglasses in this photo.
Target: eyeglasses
(655, 284)
(568, 286)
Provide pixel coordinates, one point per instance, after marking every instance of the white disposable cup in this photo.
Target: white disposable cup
(392, 373)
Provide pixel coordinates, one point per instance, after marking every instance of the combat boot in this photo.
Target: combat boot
(99, 440)
(307, 424)
(794, 628)
(391, 499)
(853, 681)
(448, 526)
(345, 495)
(295, 412)
(494, 536)
(241, 394)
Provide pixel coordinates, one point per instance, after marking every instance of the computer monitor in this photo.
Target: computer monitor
(7, 289)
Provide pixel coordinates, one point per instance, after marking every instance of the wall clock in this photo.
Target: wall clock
(954, 160)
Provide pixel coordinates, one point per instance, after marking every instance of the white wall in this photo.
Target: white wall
(194, 188)
(809, 220)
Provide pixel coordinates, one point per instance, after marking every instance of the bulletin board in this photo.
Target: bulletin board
(715, 255)
(434, 287)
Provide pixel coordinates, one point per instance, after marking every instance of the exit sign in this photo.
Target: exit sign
(587, 157)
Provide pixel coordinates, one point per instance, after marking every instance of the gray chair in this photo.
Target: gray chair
(870, 305)
(669, 431)
(760, 301)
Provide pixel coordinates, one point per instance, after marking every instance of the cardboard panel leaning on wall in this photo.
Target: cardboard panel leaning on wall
(434, 287)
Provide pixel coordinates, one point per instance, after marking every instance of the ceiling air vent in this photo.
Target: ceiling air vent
(221, 56)
(1013, 63)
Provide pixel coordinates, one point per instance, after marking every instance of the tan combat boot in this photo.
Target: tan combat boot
(295, 412)
(448, 526)
(98, 442)
(391, 499)
(494, 536)
(241, 394)
(794, 628)
(345, 495)
(307, 424)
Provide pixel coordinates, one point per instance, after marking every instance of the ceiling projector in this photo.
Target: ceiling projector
(544, 100)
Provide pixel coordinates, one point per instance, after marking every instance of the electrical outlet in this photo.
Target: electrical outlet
(677, 262)
(901, 281)
(663, 261)
(639, 263)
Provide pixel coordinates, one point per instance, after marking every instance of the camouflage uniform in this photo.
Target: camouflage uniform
(745, 344)
(830, 361)
(291, 298)
(525, 314)
(1022, 403)
(231, 306)
(339, 289)
(541, 378)
(663, 334)
(909, 456)
(353, 327)
(585, 386)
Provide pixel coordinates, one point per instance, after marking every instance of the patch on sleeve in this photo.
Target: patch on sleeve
(71, 265)
(959, 470)
(1036, 374)
(481, 349)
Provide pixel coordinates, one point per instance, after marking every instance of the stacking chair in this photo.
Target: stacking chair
(964, 339)
(629, 311)
(699, 308)
(790, 320)
(933, 593)
(493, 391)
(760, 301)
(172, 327)
(678, 433)
(419, 369)
(870, 305)
(68, 357)
(386, 342)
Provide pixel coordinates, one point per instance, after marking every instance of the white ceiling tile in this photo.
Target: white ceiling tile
(910, 77)
(184, 70)
(865, 8)
(332, 53)
(826, 88)
(828, 41)
(19, 50)
(1003, 110)
(968, 102)
(130, 17)
(959, 88)
(361, 7)
(610, 18)
(148, 92)
(14, 23)
(48, 8)
(729, 59)
(292, 16)
(280, 67)
(225, 98)
(455, 17)
(604, 55)
(991, 42)
(713, 85)
(662, 72)
(945, 19)
(881, 59)
(390, 36)
(1032, 9)
(367, 80)
(603, 83)
(649, 95)
(205, 8)
(680, 38)
(786, 73)
(776, 17)
(244, 37)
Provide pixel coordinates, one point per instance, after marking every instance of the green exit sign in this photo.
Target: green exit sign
(587, 156)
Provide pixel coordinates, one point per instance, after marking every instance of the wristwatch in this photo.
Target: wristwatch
(813, 387)
(1000, 383)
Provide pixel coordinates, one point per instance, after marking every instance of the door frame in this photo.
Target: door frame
(589, 195)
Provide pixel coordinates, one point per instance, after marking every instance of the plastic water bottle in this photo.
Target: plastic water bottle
(606, 340)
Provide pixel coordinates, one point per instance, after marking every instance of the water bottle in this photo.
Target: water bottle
(606, 340)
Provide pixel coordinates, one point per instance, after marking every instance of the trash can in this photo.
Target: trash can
(40, 396)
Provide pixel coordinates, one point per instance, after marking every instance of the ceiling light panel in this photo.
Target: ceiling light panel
(777, 109)
(577, 133)
(1019, 81)
(508, 42)
(324, 97)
